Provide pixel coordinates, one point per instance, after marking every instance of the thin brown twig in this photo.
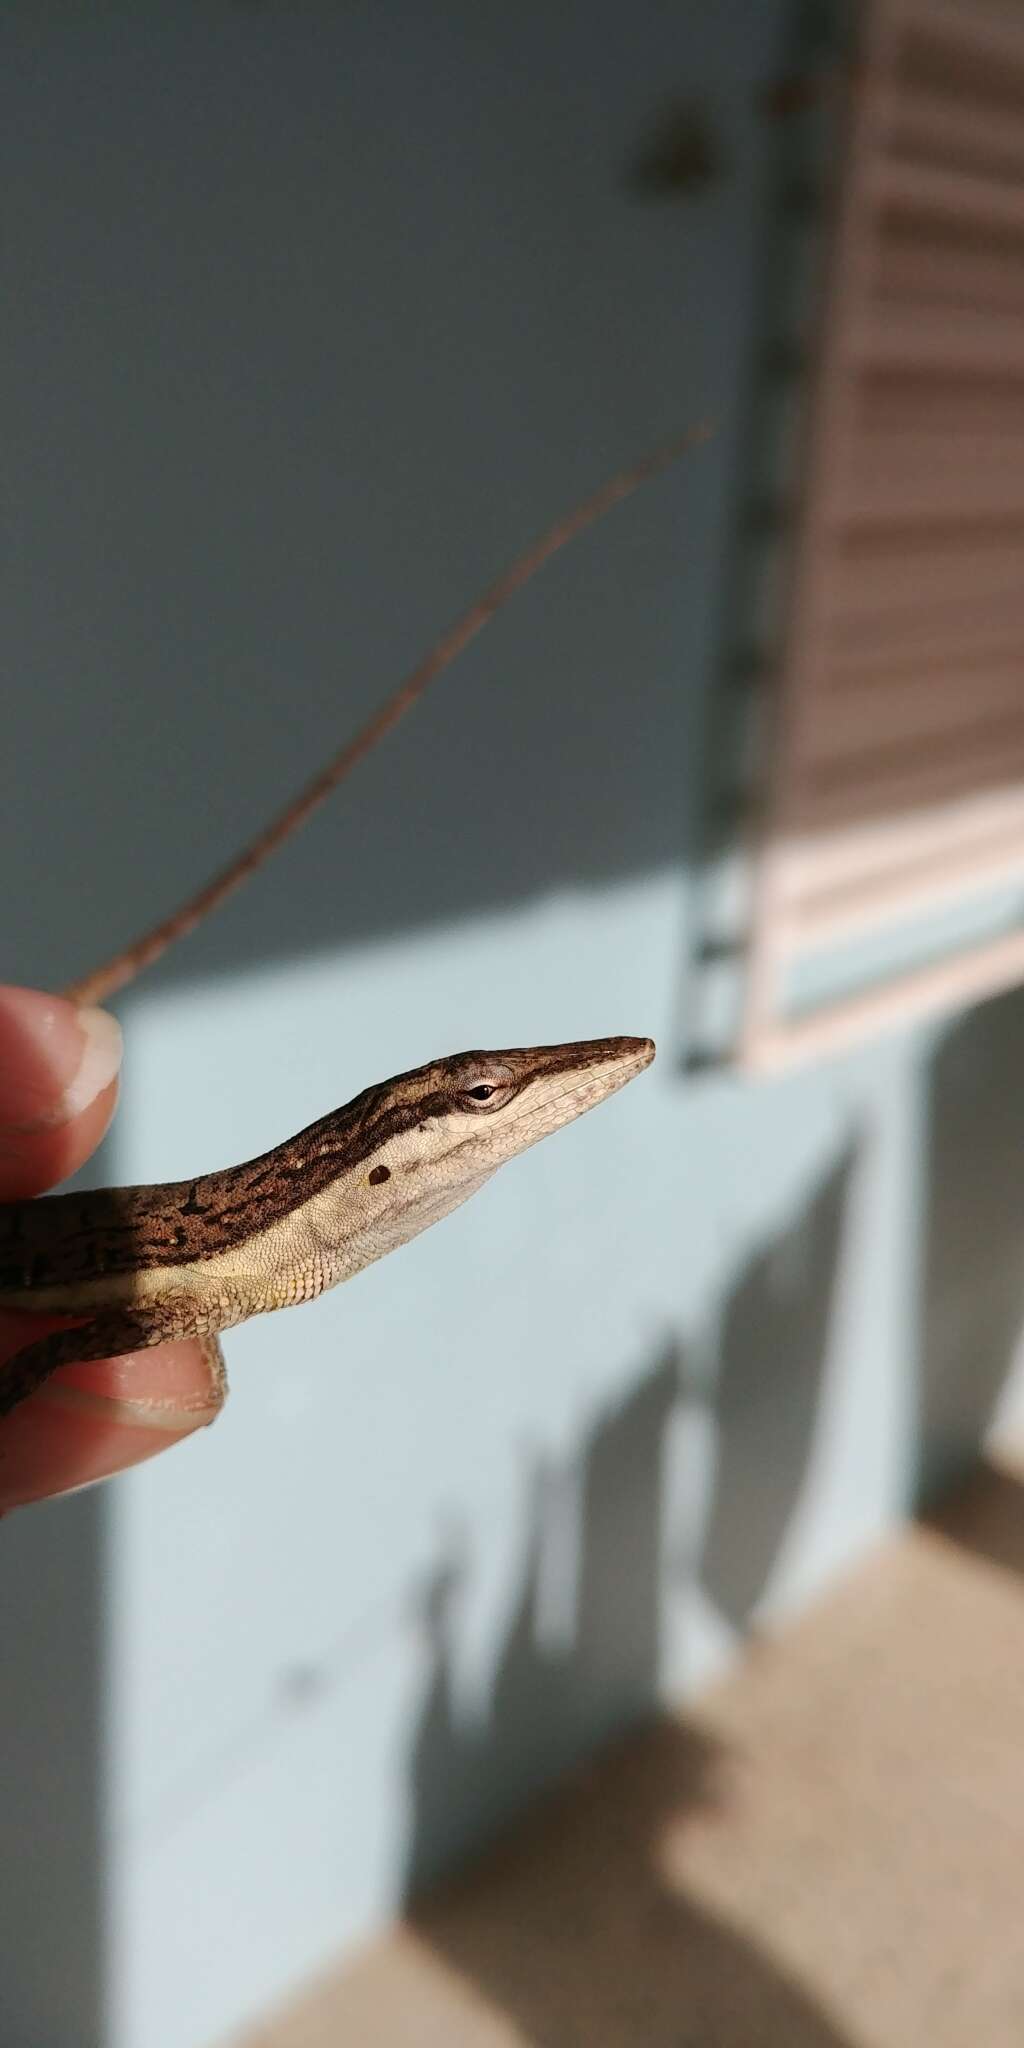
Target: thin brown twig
(115, 973)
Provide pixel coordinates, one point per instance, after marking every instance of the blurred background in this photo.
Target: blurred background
(315, 316)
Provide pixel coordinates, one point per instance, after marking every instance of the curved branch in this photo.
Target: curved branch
(115, 973)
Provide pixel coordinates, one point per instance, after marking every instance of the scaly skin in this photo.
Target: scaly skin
(138, 1266)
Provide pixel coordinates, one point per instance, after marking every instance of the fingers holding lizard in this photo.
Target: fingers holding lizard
(58, 1089)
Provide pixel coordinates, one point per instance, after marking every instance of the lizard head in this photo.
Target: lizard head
(490, 1105)
(436, 1134)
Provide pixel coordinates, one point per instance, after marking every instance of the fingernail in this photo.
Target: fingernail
(100, 1062)
(55, 1059)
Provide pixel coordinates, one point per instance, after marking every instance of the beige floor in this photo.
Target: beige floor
(829, 1853)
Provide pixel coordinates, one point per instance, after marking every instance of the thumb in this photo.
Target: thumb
(58, 1086)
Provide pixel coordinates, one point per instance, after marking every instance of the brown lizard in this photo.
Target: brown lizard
(139, 1266)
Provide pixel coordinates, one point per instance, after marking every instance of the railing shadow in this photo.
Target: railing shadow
(601, 1932)
(972, 1281)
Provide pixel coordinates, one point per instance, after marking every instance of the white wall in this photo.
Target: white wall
(275, 1671)
(319, 313)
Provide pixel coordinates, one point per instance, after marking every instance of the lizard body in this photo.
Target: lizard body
(140, 1265)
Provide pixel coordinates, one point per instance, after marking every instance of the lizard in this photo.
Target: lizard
(137, 1266)
(143, 1265)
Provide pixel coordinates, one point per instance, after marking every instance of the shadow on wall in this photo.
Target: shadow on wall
(773, 1343)
(550, 1702)
(605, 1937)
(553, 1701)
(346, 531)
(972, 1277)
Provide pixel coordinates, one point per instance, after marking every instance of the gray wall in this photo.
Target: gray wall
(315, 315)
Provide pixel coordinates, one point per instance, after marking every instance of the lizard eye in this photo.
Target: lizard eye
(495, 1087)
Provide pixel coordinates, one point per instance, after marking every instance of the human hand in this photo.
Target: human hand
(58, 1088)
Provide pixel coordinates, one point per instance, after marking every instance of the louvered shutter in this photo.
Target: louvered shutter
(889, 872)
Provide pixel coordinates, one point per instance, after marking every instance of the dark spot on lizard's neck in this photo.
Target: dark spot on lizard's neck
(60, 1239)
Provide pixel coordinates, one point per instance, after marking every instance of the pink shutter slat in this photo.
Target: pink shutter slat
(895, 779)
